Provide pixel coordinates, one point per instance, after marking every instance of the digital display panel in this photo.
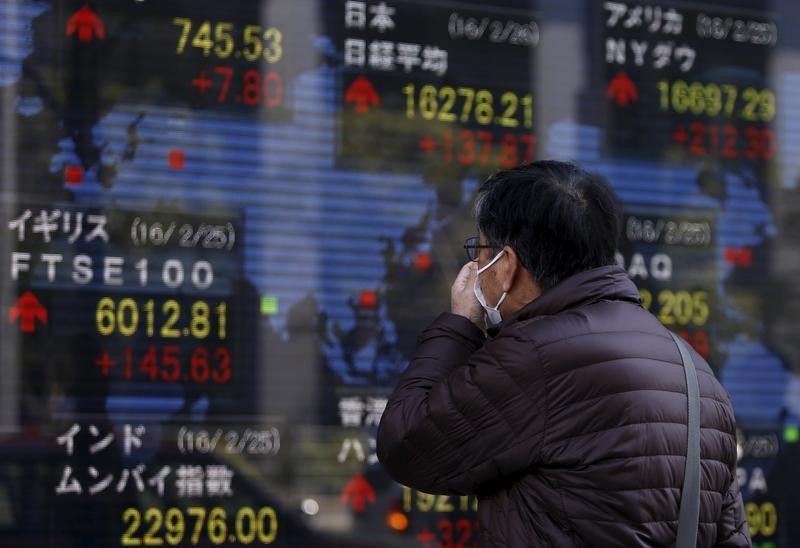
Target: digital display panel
(224, 225)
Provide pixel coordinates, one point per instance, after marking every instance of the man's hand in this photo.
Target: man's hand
(462, 295)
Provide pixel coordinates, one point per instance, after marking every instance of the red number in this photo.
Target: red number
(529, 141)
(760, 143)
(754, 144)
(698, 340)
(149, 364)
(250, 91)
(127, 355)
(769, 143)
(467, 155)
(273, 89)
(227, 72)
(198, 367)
(700, 343)
(510, 151)
(446, 530)
(222, 373)
(713, 132)
(698, 135)
(485, 138)
(169, 360)
(447, 140)
(464, 526)
(730, 135)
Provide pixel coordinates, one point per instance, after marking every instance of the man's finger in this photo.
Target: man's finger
(465, 274)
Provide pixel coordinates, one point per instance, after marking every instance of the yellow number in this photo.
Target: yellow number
(133, 516)
(527, 110)
(267, 536)
(130, 328)
(769, 519)
(483, 107)
(406, 499)
(680, 96)
(448, 95)
(249, 536)
(509, 117)
(700, 302)
(104, 316)
(217, 527)
(713, 99)
(767, 105)
(443, 504)
(173, 520)
(697, 98)
(751, 97)
(428, 104)
(252, 37)
(222, 320)
(759, 105)
(149, 309)
(200, 325)
(425, 501)
(173, 309)
(469, 96)
(647, 298)
(683, 309)
(666, 300)
(731, 92)
(274, 50)
(409, 93)
(762, 519)
(249, 526)
(153, 515)
(202, 39)
(663, 87)
(187, 27)
(753, 518)
(222, 34)
(200, 513)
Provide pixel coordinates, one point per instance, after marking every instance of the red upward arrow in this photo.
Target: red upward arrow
(29, 309)
(86, 23)
(622, 90)
(357, 492)
(363, 94)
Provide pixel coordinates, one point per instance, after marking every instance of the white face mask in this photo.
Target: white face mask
(493, 317)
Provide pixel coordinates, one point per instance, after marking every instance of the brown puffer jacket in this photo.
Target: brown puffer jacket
(569, 423)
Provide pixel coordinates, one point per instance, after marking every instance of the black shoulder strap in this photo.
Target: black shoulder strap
(690, 495)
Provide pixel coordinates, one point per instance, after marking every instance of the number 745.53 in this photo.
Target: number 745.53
(253, 44)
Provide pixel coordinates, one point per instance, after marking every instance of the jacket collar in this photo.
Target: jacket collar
(610, 283)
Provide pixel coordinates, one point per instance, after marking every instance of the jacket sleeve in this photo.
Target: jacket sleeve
(732, 529)
(461, 421)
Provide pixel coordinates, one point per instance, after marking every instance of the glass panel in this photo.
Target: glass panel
(224, 224)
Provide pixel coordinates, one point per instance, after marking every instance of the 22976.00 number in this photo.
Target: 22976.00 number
(250, 525)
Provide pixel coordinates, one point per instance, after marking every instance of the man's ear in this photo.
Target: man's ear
(509, 269)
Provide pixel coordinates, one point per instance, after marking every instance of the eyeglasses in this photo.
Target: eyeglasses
(473, 245)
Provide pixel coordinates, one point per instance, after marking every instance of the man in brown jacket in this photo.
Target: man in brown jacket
(569, 421)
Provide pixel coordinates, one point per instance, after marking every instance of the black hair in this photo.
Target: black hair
(558, 218)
